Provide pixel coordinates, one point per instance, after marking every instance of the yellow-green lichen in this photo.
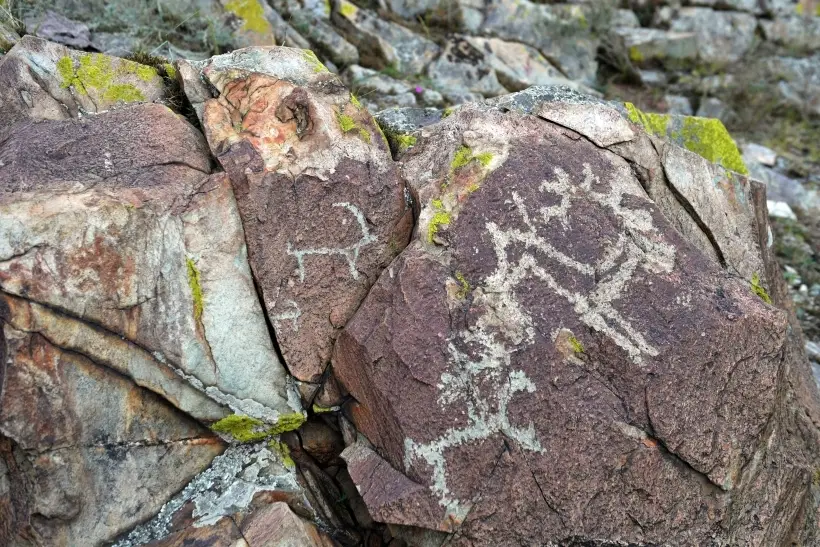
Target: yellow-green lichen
(447, 112)
(364, 135)
(287, 422)
(635, 54)
(247, 429)
(709, 138)
(314, 62)
(576, 344)
(465, 288)
(759, 290)
(170, 71)
(346, 122)
(706, 137)
(284, 453)
(440, 218)
(252, 15)
(656, 124)
(93, 71)
(405, 142)
(196, 288)
(347, 9)
(464, 155)
(244, 429)
(322, 409)
(355, 101)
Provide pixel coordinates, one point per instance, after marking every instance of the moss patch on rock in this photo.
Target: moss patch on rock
(196, 289)
(440, 218)
(706, 137)
(759, 290)
(247, 429)
(252, 15)
(94, 71)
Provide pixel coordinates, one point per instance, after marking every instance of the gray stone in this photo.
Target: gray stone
(312, 20)
(711, 107)
(464, 68)
(749, 6)
(518, 66)
(678, 104)
(383, 44)
(60, 29)
(646, 45)
(559, 31)
(757, 153)
(794, 32)
(723, 37)
(799, 81)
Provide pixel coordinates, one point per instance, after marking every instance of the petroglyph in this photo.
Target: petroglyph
(351, 253)
(292, 314)
(486, 384)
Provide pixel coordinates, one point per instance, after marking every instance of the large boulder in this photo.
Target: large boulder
(323, 207)
(580, 343)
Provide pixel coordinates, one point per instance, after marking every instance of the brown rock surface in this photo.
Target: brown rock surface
(322, 204)
(123, 232)
(552, 359)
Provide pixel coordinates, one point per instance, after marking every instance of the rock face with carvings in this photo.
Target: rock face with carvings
(323, 206)
(557, 355)
(537, 323)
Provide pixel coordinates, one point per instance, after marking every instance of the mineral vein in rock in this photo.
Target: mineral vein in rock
(486, 384)
(350, 253)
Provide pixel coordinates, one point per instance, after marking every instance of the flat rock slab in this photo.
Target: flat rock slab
(323, 207)
(552, 359)
(124, 231)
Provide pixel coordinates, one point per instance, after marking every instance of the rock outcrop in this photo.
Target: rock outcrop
(541, 318)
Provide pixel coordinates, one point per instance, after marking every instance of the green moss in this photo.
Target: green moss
(405, 142)
(440, 218)
(170, 71)
(196, 288)
(346, 122)
(758, 289)
(465, 285)
(484, 158)
(709, 138)
(447, 112)
(364, 135)
(462, 157)
(287, 422)
(347, 9)
(244, 429)
(635, 55)
(315, 63)
(284, 453)
(252, 15)
(94, 71)
(322, 409)
(123, 92)
(247, 429)
(145, 73)
(65, 66)
(653, 123)
(355, 101)
(576, 344)
(706, 137)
